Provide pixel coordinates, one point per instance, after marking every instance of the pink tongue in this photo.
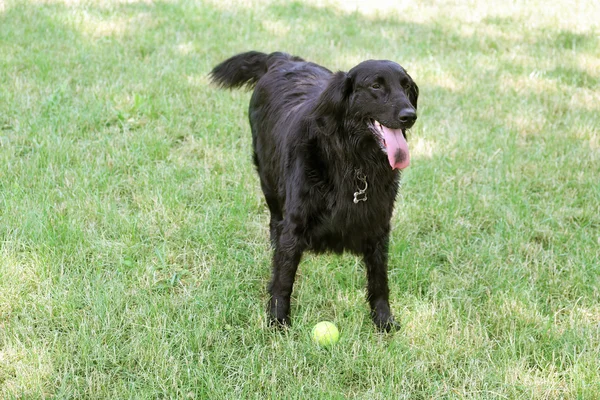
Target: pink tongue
(397, 148)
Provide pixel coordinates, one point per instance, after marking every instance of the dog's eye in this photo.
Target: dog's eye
(376, 86)
(406, 86)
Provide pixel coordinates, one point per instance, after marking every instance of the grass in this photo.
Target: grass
(134, 244)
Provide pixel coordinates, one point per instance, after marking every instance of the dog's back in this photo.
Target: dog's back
(284, 83)
(285, 90)
(284, 70)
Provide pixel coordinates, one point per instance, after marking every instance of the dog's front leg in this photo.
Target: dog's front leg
(286, 257)
(378, 292)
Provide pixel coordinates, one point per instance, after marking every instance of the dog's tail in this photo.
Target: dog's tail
(246, 69)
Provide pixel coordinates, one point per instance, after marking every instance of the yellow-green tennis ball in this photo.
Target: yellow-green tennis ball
(325, 333)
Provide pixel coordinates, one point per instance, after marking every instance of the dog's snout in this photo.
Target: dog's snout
(407, 116)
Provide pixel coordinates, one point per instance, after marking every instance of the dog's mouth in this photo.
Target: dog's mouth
(393, 143)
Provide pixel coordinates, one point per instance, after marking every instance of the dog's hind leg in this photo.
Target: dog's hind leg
(272, 202)
(286, 257)
(274, 209)
(376, 262)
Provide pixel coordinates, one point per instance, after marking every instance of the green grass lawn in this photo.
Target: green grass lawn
(134, 252)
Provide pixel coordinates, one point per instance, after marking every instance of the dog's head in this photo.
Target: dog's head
(380, 95)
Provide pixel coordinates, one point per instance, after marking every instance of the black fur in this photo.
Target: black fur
(311, 141)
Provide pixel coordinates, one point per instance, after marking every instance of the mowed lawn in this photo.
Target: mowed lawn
(134, 252)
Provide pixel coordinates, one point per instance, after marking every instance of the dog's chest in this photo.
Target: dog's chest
(362, 209)
(355, 214)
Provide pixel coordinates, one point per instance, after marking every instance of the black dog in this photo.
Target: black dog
(328, 149)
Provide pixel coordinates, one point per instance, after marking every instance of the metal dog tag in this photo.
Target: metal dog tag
(361, 195)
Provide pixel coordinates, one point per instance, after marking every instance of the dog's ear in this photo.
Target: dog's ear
(413, 93)
(333, 101)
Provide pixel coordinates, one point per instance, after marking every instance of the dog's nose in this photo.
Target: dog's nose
(407, 116)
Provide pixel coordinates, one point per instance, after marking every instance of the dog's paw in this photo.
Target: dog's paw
(279, 323)
(386, 323)
(278, 313)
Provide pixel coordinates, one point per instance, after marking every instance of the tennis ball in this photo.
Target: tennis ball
(325, 333)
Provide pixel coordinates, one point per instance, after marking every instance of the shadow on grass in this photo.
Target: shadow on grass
(167, 33)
